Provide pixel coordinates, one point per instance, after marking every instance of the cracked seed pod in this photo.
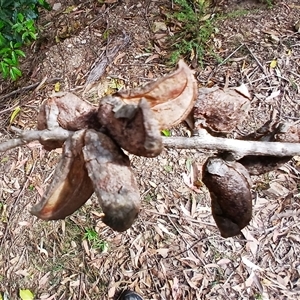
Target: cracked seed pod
(68, 111)
(271, 131)
(133, 127)
(171, 97)
(114, 182)
(71, 186)
(229, 186)
(221, 111)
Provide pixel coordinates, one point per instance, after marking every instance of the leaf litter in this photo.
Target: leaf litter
(174, 250)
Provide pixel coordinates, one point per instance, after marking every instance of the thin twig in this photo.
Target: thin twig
(231, 54)
(256, 59)
(27, 88)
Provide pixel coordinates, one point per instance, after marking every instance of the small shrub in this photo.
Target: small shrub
(195, 29)
(17, 28)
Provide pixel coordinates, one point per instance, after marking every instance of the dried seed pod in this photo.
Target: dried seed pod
(72, 113)
(171, 97)
(68, 111)
(114, 182)
(271, 131)
(221, 111)
(132, 126)
(257, 165)
(229, 185)
(71, 186)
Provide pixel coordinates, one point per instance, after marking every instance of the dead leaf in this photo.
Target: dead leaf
(163, 252)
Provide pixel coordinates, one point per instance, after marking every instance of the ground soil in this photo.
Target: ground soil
(174, 250)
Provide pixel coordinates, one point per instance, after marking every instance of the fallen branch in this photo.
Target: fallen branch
(25, 137)
(238, 148)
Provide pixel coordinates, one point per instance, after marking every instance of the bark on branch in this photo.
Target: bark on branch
(238, 148)
(27, 136)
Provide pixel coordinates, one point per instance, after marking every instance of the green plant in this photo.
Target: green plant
(92, 236)
(268, 2)
(17, 28)
(195, 30)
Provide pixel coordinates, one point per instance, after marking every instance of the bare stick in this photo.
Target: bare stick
(25, 137)
(239, 148)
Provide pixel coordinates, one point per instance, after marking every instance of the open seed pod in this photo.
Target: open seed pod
(114, 182)
(271, 131)
(71, 186)
(171, 97)
(68, 111)
(132, 126)
(229, 186)
(221, 111)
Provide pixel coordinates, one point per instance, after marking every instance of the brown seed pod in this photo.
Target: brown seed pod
(271, 131)
(220, 111)
(71, 186)
(114, 182)
(68, 111)
(132, 126)
(171, 97)
(229, 186)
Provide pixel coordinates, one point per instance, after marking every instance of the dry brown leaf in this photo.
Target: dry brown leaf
(252, 243)
(163, 252)
(43, 281)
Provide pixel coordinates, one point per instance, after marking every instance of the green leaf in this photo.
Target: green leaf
(12, 75)
(24, 36)
(8, 61)
(14, 114)
(17, 71)
(4, 69)
(26, 295)
(14, 58)
(4, 51)
(166, 132)
(20, 53)
(20, 17)
(33, 35)
(17, 45)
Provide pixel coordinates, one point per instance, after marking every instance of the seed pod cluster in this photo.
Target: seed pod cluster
(229, 186)
(93, 159)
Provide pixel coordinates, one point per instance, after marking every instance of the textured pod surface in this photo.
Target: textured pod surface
(133, 127)
(68, 111)
(71, 186)
(220, 111)
(113, 180)
(229, 185)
